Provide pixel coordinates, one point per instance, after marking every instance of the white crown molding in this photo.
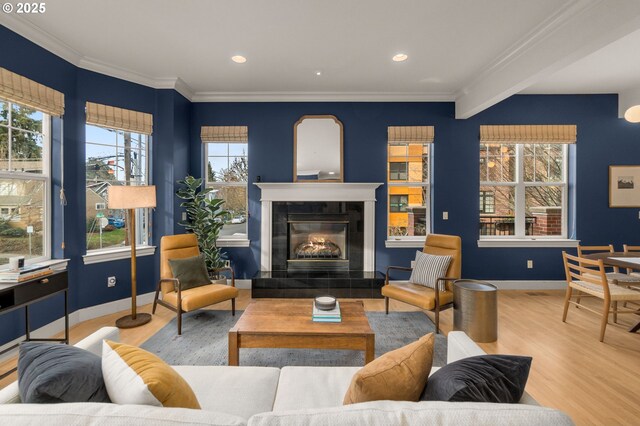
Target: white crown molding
(321, 97)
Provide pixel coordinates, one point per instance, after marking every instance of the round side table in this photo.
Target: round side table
(475, 310)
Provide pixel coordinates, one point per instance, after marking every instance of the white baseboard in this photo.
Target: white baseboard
(243, 284)
(76, 317)
(529, 284)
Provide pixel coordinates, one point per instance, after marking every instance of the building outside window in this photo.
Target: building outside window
(523, 190)
(408, 176)
(25, 182)
(114, 157)
(227, 174)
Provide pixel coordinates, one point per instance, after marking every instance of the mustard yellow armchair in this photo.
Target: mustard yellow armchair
(180, 301)
(424, 297)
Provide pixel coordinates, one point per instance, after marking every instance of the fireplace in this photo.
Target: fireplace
(318, 242)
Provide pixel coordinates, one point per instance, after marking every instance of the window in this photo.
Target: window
(408, 174)
(25, 182)
(398, 170)
(398, 203)
(227, 173)
(487, 202)
(114, 157)
(523, 190)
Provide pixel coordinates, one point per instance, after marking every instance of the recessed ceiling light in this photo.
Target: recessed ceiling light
(239, 59)
(318, 73)
(400, 57)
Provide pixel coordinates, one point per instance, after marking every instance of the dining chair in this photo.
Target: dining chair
(588, 277)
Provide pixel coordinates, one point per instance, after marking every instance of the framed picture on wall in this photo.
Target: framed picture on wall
(624, 186)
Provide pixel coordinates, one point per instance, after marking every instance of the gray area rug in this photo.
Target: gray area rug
(204, 341)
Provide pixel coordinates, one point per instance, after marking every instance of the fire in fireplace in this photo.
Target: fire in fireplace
(318, 243)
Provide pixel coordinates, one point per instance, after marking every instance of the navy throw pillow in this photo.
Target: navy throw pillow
(485, 378)
(51, 373)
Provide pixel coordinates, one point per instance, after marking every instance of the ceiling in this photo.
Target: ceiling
(475, 53)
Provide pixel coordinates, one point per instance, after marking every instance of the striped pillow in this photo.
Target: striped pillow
(428, 268)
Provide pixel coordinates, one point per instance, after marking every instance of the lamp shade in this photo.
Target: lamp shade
(132, 197)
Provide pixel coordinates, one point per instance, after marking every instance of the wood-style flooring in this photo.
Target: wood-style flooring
(595, 383)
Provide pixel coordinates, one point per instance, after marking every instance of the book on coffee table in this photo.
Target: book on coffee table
(327, 316)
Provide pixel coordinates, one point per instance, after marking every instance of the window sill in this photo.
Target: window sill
(522, 242)
(417, 243)
(233, 243)
(108, 255)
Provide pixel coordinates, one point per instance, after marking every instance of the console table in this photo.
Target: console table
(20, 295)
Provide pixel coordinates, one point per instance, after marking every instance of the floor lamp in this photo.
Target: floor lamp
(131, 198)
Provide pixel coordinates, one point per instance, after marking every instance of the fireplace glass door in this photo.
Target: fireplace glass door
(318, 245)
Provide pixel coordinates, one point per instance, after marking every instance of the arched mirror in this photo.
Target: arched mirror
(317, 149)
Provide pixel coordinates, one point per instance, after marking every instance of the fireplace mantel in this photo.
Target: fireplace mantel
(312, 191)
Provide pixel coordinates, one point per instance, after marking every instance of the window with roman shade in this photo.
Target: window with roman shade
(226, 167)
(523, 181)
(116, 154)
(408, 178)
(20, 90)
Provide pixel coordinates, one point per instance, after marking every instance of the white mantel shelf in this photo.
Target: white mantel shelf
(317, 191)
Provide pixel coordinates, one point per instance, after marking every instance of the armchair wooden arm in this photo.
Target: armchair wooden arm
(398, 268)
(226, 268)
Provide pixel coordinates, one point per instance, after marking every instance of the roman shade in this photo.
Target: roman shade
(556, 134)
(400, 135)
(23, 91)
(119, 118)
(224, 134)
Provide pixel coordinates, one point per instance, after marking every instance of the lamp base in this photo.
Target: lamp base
(128, 321)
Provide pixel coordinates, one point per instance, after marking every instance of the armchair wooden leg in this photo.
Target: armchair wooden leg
(233, 306)
(567, 297)
(437, 322)
(179, 322)
(155, 300)
(386, 305)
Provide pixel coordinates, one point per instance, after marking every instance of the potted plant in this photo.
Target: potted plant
(205, 218)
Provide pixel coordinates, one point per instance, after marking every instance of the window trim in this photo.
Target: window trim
(106, 254)
(410, 241)
(520, 206)
(228, 240)
(45, 176)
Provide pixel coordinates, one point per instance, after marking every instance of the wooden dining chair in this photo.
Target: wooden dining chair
(589, 278)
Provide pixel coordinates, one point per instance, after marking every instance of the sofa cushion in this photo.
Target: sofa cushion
(135, 376)
(53, 373)
(241, 391)
(98, 414)
(312, 387)
(485, 378)
(384, 413)
(397, 375)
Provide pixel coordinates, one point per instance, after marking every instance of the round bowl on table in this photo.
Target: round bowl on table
(325, 303)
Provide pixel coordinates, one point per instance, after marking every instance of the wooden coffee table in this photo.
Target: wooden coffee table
(288, 324)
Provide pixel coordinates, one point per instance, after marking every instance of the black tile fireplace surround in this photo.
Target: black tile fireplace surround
(337, 271)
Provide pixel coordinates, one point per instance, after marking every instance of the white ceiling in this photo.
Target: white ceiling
(474, 52)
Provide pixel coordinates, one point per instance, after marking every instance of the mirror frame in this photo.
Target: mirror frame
(295, 148)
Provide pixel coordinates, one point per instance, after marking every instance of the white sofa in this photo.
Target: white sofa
(264, 396)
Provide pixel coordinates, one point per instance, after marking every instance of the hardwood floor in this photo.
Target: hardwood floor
(595, 383)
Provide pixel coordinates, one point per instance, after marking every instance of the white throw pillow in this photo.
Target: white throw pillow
(428, 268)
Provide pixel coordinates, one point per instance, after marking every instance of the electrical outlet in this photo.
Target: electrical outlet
(529, 264)
(111, 282)
(184, 215)
(227, 263)
(445, 215)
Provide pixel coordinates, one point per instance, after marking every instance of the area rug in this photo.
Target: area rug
(204, 341)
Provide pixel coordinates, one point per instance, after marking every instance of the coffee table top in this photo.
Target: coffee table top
(294, 317)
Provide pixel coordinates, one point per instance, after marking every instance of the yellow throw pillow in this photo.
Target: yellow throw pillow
(135, 376)
(399, 375)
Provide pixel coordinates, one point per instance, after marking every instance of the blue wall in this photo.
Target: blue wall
(170, 157)
(603, 139)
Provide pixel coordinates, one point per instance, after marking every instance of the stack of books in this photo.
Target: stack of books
(25, 273)
(327, 316)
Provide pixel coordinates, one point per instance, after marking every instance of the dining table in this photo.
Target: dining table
(621, 260)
